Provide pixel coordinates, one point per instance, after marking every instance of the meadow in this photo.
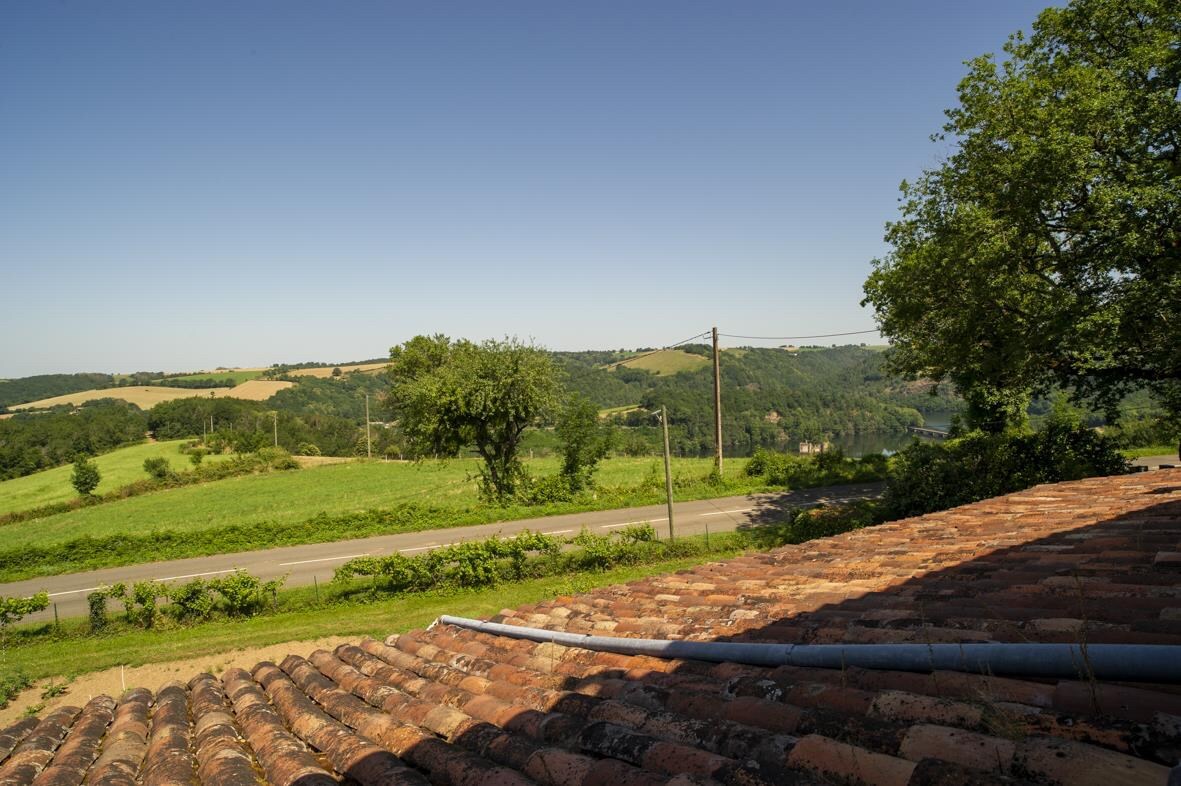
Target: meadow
(288, 498)
(668, 361)
(118, 468)
(236, 375)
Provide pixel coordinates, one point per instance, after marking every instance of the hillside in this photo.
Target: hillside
(118, 468)
(769, 397)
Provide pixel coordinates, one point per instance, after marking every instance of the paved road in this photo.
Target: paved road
(1152, 462)
(318, 560)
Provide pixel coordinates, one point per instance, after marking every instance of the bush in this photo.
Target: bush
(935, 476)
(307, 449)
(96, 603)
(13, 609)
(158, 467)
(243, 594)
(191, 601)
(823, 469)
(86, 476)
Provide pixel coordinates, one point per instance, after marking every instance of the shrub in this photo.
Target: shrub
(86, 476)
(157, 467)
(823, 469)
(191, 601)
(935, 476)
(13, 609)
(139, 601)
(196, 457)
(96, 603)
(242, 594)
(307, 449)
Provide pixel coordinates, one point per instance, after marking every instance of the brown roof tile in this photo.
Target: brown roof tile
(1090, 561)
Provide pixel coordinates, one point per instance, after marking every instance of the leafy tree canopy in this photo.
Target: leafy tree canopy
(1046, 249)
(449, 394)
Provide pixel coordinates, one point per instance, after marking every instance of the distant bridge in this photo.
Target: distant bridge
(930, 433)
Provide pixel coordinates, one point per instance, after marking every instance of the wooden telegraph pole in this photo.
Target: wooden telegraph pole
(275, 425)
(717, 405)
(368, 442)
(668, 472)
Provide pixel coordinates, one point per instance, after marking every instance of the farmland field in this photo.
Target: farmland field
(236, 375)
(668, 361)
(326, 372)
(292, 497)
(258, 389)
(118, 468)
(151, 395)
(143, 397)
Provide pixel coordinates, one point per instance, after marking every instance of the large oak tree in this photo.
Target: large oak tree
(1046, 249)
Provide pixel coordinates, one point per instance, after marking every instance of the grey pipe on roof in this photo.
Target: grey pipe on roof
(1129, 662)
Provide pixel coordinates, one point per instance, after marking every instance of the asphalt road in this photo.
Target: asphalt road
(302, 564)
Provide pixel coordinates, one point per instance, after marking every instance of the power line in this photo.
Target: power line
(797, 338)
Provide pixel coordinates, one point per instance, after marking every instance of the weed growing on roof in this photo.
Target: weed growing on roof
(11, 684)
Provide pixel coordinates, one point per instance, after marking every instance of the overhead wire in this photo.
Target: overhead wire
(797, 338)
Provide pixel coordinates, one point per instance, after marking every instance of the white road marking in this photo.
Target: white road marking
(195, 575)
(727, 512)
(428, 546)
(72, 592)
(557, 532)
(166, 578)
(633, 523)
(321, 559)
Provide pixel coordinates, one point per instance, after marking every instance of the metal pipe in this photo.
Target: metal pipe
(1129, 662)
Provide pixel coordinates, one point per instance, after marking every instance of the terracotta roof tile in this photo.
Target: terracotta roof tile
(1091, 561)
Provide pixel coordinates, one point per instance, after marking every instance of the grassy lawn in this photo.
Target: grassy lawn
(38, 653)
(1151, 450)
(295, 496)
(118, 468)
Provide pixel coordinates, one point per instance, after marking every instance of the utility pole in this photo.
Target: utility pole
(717, 405)
(368, 442)
(668, 472)
(275, 424)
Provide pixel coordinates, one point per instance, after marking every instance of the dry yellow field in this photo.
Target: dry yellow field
(151, 395)
(327, 372)
(257, 389)
(142, 397)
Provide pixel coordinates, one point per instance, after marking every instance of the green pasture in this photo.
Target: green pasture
(669, 361)
(118, 468)
(238, 375)
(297, 495)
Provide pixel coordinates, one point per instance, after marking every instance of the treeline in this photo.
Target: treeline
(32, 442)
(20, 391)
(316, 417)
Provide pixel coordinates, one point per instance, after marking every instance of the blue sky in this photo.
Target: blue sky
(186, 185)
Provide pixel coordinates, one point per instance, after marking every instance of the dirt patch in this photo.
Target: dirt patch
(155, 675)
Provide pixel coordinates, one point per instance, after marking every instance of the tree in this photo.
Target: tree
(449, 394)
(86, 476)
(1046, 249)
(336, 372)
(585, 440)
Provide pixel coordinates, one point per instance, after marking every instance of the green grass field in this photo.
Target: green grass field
(238, 375)
(118, 468)
(290, 497)
(669, 361)
(1151, 450)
